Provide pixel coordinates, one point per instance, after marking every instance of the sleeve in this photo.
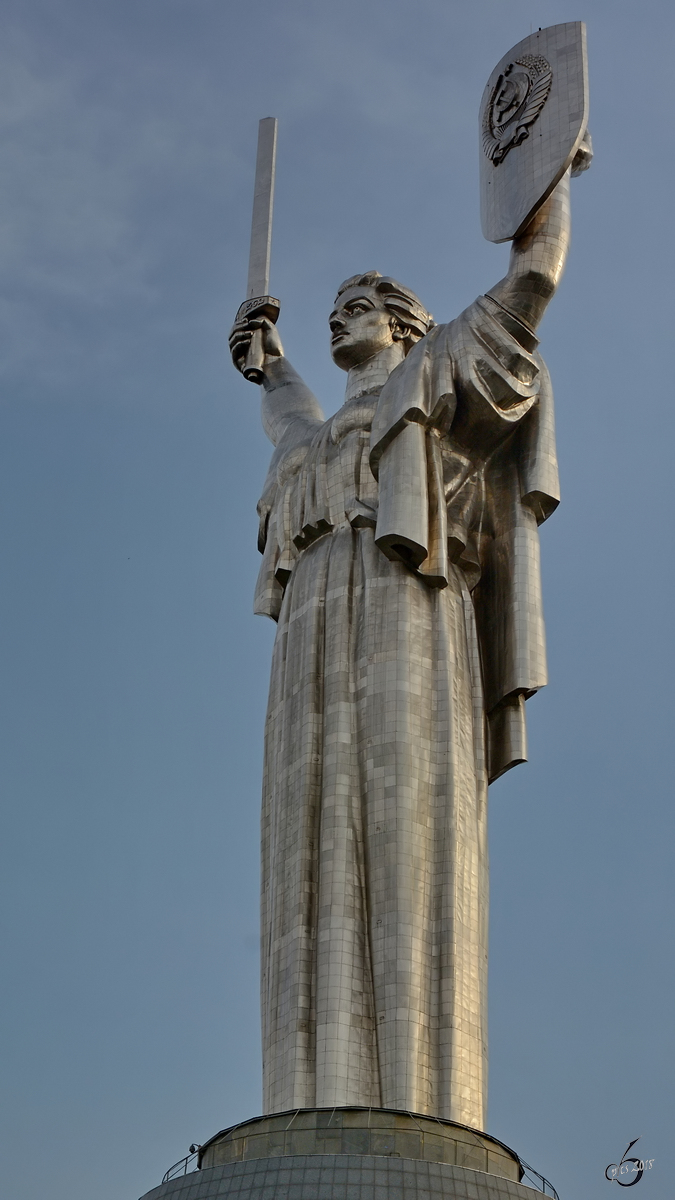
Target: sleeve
(458, 395)
(278, 552)
(521, 491)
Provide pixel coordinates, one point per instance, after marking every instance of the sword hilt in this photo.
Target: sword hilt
(258, 306)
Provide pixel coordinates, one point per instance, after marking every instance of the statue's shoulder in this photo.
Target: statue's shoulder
(451, 335)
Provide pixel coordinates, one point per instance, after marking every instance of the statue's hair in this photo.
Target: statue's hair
(398, 300)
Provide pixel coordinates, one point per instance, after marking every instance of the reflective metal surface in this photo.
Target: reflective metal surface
(263, 205)
(258, 303)
(401, 562)
(361, 1131)
(533, 118)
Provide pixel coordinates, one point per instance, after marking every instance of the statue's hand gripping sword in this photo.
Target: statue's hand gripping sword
(258, 303)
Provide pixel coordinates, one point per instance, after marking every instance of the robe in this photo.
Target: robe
(400, 559)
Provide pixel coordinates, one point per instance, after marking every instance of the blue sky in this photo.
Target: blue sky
(133, 676)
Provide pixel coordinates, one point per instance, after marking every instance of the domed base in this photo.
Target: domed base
(340, 1177)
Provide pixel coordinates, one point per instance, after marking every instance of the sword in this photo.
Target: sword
(258, 303)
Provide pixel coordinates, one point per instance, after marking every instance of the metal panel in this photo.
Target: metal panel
(263, 203)
(533, 117)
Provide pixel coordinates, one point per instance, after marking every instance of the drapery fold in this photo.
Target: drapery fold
(401, 560)
(464, 469)
(463, 445)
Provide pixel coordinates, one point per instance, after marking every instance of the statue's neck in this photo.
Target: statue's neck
(372, 374)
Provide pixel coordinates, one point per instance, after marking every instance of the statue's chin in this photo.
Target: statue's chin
(346, 357)
(338, 360)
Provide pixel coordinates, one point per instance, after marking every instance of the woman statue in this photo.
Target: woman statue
(401, 562)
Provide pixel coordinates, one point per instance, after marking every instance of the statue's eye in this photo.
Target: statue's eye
(357, 308)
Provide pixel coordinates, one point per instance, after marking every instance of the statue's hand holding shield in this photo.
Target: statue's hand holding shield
(584, 155)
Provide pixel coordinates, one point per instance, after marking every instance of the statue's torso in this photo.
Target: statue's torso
(333, 485)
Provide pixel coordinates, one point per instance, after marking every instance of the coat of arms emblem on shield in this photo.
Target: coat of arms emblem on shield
(517, 99)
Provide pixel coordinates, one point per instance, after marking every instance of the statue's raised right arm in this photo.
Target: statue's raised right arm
(285, 395)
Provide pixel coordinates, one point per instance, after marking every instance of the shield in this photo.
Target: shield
(533, 116)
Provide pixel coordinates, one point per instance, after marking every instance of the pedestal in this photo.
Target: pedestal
(350, 1154)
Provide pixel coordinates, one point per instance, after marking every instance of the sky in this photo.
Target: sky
(133, 675)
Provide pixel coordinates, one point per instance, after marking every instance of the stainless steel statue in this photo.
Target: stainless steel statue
(401, 562)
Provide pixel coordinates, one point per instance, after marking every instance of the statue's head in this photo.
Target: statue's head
(372, 312)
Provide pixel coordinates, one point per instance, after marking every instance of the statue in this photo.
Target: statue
(400, 560)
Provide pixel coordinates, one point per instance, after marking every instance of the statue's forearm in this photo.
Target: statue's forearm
(538, 259)
(285, 397)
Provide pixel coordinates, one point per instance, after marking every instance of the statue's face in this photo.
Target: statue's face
(360, 327)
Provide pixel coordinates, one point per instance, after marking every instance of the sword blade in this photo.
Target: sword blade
(263, 203)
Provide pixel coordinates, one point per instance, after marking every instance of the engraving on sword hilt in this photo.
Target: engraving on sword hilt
(259, 306)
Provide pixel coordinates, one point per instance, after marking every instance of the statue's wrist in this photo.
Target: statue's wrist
(277, 371)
